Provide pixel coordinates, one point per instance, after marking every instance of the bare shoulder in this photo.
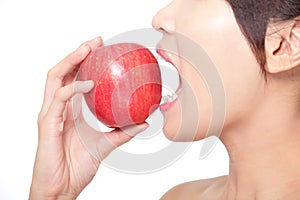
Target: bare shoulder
(204, 189)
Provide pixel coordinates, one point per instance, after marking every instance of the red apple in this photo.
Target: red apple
(127, 83)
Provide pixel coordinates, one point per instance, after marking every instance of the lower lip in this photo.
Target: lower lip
(167, 106)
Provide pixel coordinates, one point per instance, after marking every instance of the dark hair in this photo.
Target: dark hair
(254, 16)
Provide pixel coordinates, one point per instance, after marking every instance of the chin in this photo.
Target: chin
(177, 131)
(178, 134)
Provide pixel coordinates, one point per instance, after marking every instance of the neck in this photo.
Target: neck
(264, 156)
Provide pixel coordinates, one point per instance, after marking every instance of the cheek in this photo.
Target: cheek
(238, 69)
(241, 76)
(233, 58)
(197, 89)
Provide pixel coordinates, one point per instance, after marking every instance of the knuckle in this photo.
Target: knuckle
(59, 94)
(50, 73)
(64, 93)
(69, 58)
(40, 119)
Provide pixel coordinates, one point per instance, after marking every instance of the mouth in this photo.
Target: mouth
(168, 101)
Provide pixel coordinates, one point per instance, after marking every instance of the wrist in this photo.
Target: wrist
(35, 196)
(38, 195)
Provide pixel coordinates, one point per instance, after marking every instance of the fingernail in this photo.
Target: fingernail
(83, 48)
(142, 127)
(88, 83)
(84, 86)
(97, 39)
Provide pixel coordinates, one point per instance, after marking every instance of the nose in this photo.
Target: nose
(164, 20)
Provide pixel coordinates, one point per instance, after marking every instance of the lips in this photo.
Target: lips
(163, 53)
(169, 100)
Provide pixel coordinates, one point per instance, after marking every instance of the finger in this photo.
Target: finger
(54, 77)
(116, 138)
(63, 95)
(72, 61)
(123, 135)
(93, 44)
(75, 108)
(66, 66)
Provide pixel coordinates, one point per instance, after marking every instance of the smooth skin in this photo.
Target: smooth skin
(261, 128)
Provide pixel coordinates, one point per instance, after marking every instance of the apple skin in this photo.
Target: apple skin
(128, 86)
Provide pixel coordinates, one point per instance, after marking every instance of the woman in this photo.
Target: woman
(255, 46)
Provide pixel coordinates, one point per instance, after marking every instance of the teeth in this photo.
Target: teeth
(169, 98)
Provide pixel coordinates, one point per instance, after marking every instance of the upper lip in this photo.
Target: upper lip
(163, 53)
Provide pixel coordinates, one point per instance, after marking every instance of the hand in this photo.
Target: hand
(65, 164)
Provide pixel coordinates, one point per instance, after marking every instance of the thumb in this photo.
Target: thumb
(125, 134)
(100, 144)
(116, 138)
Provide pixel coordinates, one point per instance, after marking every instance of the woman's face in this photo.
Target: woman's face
(211, 25)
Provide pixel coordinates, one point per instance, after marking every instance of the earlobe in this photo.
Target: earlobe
(283, 47)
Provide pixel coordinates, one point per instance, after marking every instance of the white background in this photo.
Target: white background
(34, 36)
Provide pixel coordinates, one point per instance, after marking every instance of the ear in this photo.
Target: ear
(282, 45)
